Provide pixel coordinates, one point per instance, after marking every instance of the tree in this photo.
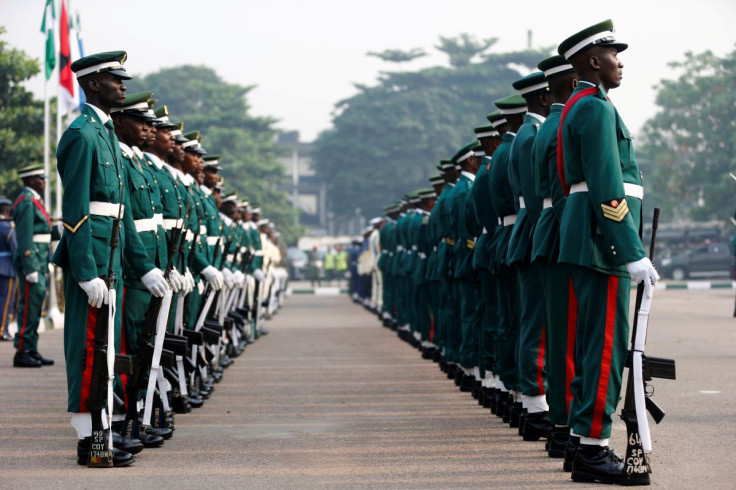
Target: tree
(220, 111)
(387, 139)
(398, 55)
(462, 49)
(690, 144)
(21, 117)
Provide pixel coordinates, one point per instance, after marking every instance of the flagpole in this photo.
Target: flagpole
(46, 139)
(57, 208)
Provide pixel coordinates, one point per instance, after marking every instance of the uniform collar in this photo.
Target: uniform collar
(100, 114)
(468, 175)
(225, 219)
(538, 117)
(156, 160)
(127, 149)
(34, 194)
(205, 190)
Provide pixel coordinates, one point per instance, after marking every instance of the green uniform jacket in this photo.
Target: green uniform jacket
(31, 219)
(464, 239)
(597, 231)
(546, 240)
(435, 237)
(522, 184)
(502, 196)
(485, 215)
(172, 207)
(445, 248)
(89, 172)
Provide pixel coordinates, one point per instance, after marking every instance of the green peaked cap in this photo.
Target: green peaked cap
(555, 66)
(134, 104)
(513, 104)
(600, 34)
(105, 62)
(33, 170)
(465, 152)
(534, 83)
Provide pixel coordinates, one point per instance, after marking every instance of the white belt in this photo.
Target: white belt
(522, 204)
(507, 220)
(399, 248)
(230, 257)
(242, 250)
(547, 203)
(42, 238)
(109, 209)
(202, 230)
(212, 240)
(148, 224)
(258, 253)
(190, 236)
(158, 218)
(631, 190)
(170, 224)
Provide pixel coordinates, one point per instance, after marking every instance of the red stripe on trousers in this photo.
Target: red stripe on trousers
(89, 358)
(431, 327)
(540, 363)
(600, 399)
(25, 320)
(123, 350)
(572, 326)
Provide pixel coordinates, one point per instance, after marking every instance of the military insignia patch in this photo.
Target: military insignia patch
(615, 209)
(27, 253)
(425, 220)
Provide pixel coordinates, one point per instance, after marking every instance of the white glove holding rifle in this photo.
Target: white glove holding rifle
(188, 281)
(228, 278)
(32, 277)
(155, 282)
(176, 280)
(239, 279)
(213, 277)
(642, 270)
(96, 291)
(259, 275)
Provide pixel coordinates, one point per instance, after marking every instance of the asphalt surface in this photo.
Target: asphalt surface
(329, 399)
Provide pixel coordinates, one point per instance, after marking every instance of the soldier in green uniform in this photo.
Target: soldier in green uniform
(559, 299)
(464, 231)
(432, 276)
(131, 127)
(31, 261)
(423, 313)
(93, 177)
(531, 343)
(485, 216)
(599, 237)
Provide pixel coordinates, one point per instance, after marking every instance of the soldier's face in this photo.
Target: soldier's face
(210, 178)
(151, 135)
(111, 89)
(163, 143)
(610, 69)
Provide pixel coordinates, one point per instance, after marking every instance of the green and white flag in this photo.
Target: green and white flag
(47, 28)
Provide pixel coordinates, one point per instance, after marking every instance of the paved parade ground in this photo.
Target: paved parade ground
(331, 399)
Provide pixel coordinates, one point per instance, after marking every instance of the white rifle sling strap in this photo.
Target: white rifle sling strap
(112, 301)
(636, 365)
(158, 345)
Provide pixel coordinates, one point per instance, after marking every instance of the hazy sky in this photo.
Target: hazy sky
(305, 55)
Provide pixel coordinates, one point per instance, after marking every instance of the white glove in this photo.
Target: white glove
(239, 279)
(32, 277)
(259, 275)
(176, 280)
(155, 282)
(189, 280)
(643, 270)
(213, 277)
(96, 291)
(227, 278)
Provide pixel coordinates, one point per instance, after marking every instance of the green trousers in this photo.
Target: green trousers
(469, 322)
(507, 333)
(80, 321)
(29, 311)
(561, 319)
(600, 350)
(532, 375)
(434, 309)
(489, 319)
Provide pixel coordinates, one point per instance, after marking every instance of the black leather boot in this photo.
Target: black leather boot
(536, 426)
(595, 463)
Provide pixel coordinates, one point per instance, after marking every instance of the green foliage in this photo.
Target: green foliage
(398, 55)
(462, 49)
(220, 111)
(387, 139)
(21, 117)
(690, 144)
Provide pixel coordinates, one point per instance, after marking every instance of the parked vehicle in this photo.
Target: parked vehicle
(297, 260)
(707, 260)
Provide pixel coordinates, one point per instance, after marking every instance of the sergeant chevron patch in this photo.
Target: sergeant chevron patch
(615, 209)
(73, 229)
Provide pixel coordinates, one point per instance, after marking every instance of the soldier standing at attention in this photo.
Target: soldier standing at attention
(8, 245)
(31, 261)
(599, 237)
(93, 178)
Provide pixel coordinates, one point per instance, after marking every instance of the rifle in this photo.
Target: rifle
(638, 399)
(103, 364)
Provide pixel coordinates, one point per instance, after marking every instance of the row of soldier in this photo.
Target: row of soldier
(513, 271)
(166, 279)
